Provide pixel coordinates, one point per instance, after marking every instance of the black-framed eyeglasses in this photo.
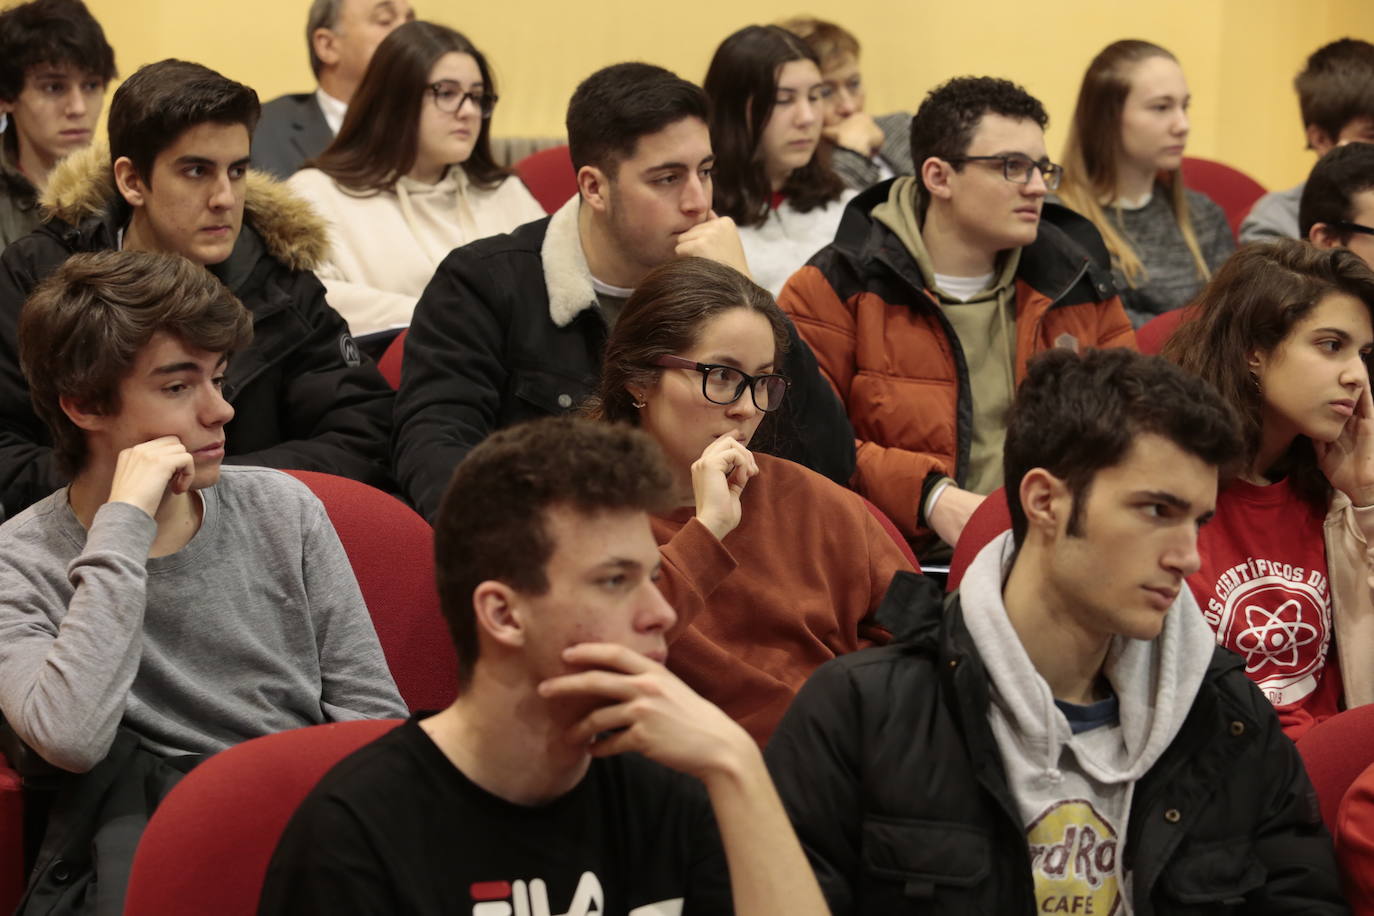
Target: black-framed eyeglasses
(1017, 169)
(1345, 227)
(725, 384)
(449, 97)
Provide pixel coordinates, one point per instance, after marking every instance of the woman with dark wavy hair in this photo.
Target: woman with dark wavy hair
(1284, 332)
(772, 568)
(410, 175)
(772, 175)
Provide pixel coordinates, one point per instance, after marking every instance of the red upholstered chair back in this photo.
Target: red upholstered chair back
(11, 837)
(207, 846)
(549, 175)
(988, 520)
(1155, 333)
(391, 549)
(894, 533)
(1233, 190)
(1337, 751)
(390, 363)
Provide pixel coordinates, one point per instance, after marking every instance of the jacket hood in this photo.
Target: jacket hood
(1155, 681)
(82, 187)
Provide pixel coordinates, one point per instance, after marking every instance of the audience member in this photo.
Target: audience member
(341, 36)
(1336, 95)
(1122, 170)
(1063, 737)
(54, 64)
(866, 150)
(1337, 207)
(937, 290)
(410, 176)
(1284, 333)
(513, 327)
(549, 785)
(772, 176)
(160, 608)
(179, 138)
(772, 568)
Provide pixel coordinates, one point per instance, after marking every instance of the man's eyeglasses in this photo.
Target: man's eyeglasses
(1017, 169)
(449, 97)
(1344, 227)
(725, 384)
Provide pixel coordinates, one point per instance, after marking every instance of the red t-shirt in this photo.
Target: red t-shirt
(1263, 589)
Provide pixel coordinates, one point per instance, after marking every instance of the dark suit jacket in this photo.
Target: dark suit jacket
(292, 130)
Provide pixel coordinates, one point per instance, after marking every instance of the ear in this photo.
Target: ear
(1046, 501)
(131, 187)
(1255, 363)
(1318, 140)
(935, 175)
(1322, 236)
(594, 186)
(322, 40)
(497, 607)
(81, 415)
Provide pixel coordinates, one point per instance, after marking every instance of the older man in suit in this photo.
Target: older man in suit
(341, 36)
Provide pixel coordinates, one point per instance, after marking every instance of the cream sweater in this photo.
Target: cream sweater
(385, 246)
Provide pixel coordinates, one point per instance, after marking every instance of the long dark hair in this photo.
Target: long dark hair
(379, 139)
(742, 84)
(1252, 304)
(664, 317)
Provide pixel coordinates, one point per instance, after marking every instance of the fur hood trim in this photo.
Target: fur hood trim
(83, 186)
(567, 278)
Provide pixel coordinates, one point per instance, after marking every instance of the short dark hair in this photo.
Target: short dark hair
(53, 32)
(1336, 178)
(1337, 85)
(492, 521)
(323, 14)
(951, 112)
(104, 307)
(615, 106)
(380, 136)
(1075, 415)
(1252, 303)
(161, 101)
(742, 84)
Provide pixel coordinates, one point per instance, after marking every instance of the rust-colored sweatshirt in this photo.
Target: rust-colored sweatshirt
(794, 585)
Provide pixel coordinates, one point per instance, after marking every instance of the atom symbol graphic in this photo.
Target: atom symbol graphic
(1269, 638)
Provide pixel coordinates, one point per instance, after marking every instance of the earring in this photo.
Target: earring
(638, 404)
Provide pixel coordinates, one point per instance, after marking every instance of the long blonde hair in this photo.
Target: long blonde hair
(1090, 155)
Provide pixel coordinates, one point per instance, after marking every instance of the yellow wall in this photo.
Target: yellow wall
(1240, 55)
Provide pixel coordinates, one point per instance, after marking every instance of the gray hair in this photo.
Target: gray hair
(324, 14)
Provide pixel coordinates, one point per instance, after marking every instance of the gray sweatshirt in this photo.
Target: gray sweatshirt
(1074, 791)
(255, 626)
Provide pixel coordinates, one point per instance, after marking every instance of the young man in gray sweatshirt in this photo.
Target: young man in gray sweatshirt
(1064, 736)
(161, 606)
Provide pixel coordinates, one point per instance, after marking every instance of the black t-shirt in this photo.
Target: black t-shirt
(397, 828)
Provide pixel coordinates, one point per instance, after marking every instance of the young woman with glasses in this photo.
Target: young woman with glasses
(772, 175)
(772, 568)
(1122, 170)
(410, 175)
(1282, 571)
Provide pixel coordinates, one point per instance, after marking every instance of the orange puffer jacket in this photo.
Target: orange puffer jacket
(884, 343)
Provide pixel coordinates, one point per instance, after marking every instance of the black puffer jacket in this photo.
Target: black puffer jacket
(303, 397)
(508, 330)
(893, 778)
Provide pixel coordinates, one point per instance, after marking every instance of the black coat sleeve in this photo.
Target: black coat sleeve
(27, 469)
(453, 375)
(332, 408)
(813, 758)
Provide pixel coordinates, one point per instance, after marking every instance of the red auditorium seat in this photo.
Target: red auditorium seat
(1151, 337)
(11, 838)
(988, 520)
(549, 175)
(207, 846)
(1233, 190)
(390, 363)
(1335, 752)
(391, 549)
(894, 533)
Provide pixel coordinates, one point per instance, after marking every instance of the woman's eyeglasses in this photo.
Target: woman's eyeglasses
(725, 384)
(449, 97)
